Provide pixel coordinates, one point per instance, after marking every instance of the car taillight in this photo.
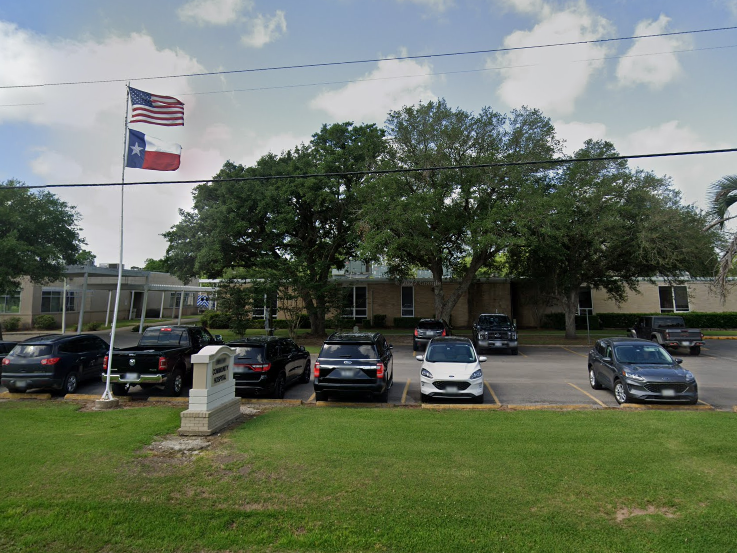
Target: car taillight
(50, 360)
(6, 361)
(261, 368)
(316, 370)
(162, 364)
(379, 370)
(104, 364)
(443, 334)
(416, 333)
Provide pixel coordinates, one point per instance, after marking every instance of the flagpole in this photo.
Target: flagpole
(108, 394)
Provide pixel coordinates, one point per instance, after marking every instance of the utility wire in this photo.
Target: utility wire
(373, 60)
(561, 161)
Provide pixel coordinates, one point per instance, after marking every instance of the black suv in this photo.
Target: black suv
(426, 330)
(55, 361)
(354, 362)
(495, 331)
(268, 364)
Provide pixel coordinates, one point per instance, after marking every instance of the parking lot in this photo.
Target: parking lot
(539, 376)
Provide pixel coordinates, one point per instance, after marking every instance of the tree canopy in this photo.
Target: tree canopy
(301, 228)
(604, 225)
(39, 236)
(452, 220)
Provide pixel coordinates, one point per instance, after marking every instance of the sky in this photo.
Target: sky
(647, 95)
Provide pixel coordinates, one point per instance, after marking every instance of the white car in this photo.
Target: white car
(451, 369)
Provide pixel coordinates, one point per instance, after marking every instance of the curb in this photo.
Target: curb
(463, 406)
(656, 407)
(9, 395)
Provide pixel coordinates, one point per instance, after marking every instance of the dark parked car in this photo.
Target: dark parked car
(636, 369)
(54, 361)
(426, 330)
(5, 348)
(354, 362)
(268, 364)
(495, 331)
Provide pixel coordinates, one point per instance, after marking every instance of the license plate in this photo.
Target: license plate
(130, 376)
(686, 343)
(451, 389)
(498, 344)
(668, 392)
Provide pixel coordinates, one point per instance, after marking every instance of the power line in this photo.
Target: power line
(373, 60)
(561, 161)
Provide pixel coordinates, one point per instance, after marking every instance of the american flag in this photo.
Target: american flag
(155, 109)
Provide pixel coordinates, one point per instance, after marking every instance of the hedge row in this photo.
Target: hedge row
(628, 320)
(217, 319)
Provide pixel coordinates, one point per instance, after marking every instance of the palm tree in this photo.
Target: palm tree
(722, 196)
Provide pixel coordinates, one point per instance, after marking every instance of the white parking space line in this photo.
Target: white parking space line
(404, 394)
(493, 395)
(584, 392)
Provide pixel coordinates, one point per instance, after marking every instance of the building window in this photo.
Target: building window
(10, 302)
(51, 301)
(355, 306)
(408, 301)
(258, 311)
(176, 297)
(585, 302)
(673, 298)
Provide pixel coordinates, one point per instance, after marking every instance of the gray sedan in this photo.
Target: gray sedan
(640, 370)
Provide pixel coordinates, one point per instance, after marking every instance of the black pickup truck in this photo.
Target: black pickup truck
(669, 331)
(161, 358)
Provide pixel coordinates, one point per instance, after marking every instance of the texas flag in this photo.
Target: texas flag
(147, 152)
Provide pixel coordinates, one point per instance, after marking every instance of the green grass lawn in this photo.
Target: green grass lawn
(321, 479)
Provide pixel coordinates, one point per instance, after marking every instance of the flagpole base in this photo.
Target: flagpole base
(105, 404)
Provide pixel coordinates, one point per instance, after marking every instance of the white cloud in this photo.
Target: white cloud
(386, 88)
(551, 79)
(691, 174)
(434, 5)
(731, 5)
(641, 66)
(576, 133)
(263, 29)
(213, 12)
(537, 7)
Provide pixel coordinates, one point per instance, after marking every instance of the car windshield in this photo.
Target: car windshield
(162, 337)
(348, 351)
(669, 322)
(254, 354)
(35, 350)
(494, 321)
(430, 325)
(643, 355)
(450, 353)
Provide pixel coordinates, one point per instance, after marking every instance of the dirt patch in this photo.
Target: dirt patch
(625, 513)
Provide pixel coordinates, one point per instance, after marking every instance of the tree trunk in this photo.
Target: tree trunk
(443, 307)
(570, 306)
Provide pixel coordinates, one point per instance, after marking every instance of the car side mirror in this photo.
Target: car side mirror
(482, 359)
(420, 357)
(679, 361)
(391, 346)
(302, 348)
(606, 359)
(218, 338)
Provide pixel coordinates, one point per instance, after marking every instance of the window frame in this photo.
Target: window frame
(672, 297)
(410, 311)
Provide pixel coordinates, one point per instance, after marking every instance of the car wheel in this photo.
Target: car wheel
(478, 399)
(120, 389)
(593, 380)
(654, 339)
(693, 401)
(71, 383)
(175, 383)
(14, 390)
(321, 396)
(305, 378)
(620, 392)
(695, 350)
(280, 386)
(633, 334)
(425, 398)
(513, 351)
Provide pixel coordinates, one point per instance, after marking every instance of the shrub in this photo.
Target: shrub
(215, 319)
(92, 326)
(692, 320)
(406, 322)
(557, 321)
(366, 323)
(11, 324)
(379, 321)
(44, 322)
